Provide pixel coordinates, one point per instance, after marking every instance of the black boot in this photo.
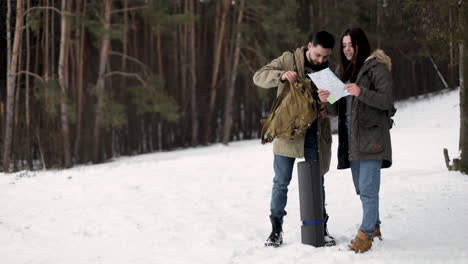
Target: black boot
(329, 240)
(276, 237)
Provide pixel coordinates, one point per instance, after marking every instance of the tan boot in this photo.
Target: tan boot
(377, 234)
(361, 243)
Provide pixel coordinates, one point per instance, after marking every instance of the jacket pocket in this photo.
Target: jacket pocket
(371, 139)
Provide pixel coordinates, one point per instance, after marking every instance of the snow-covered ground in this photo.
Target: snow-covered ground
(211, 205)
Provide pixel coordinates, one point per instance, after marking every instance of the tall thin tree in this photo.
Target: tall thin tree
(62, 71)
(193, 76)
(100, 83)
(463, 145)
(11, 86)
(80, 35)
(221, 20)
(228, 106)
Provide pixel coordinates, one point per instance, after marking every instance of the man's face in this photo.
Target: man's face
(318, 54)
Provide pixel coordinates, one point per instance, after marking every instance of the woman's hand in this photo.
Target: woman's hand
(353, 89)
(323, 95)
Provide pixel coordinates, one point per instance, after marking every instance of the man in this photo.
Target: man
(315, 144)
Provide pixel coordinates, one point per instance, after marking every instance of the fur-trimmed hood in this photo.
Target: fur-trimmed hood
(381, 57)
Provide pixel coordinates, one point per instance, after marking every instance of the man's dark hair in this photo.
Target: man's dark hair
(324, 39)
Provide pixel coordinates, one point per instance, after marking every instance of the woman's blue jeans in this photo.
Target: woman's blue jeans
(366, 178)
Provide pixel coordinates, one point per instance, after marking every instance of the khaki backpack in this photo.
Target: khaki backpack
(292, 113)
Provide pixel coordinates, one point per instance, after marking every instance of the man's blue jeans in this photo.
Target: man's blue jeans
(283, 167)
(366, 178)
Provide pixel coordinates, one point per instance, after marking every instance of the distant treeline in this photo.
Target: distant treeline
(85, 81)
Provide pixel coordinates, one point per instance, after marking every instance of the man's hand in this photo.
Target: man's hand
(323, 110)
(353, 89)
(323, 95)
(290, 76)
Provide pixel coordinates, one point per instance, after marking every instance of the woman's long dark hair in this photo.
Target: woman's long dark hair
(348, 70)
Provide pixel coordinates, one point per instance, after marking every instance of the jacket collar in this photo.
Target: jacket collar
(299, 55)
(378, 56)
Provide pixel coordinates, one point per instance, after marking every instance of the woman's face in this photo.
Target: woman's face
(348, 49)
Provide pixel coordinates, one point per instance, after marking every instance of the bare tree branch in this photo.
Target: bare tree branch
(144, 66)
(128, 74)
(48, 8)
(31, 74)
(129, 9)
(441, 77)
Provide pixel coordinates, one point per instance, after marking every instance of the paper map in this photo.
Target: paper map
(327, 80)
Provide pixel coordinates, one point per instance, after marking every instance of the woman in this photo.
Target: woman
(364, 126)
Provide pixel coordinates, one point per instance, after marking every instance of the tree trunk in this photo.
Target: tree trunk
(52, 39)
(183, 54)
(100, 84)
(379, 19)
(79, 84)
(176, 77)
(34, 128)
(193, 77)
(123, 66)
(463, 145)
(441, 77)
(17, 140)
(216, 66)
(46, 45)
(131, 116)
(158, 51)
(63, 85)
(228, 106)
(11, 87)
(451, 49)
(8, 29)
(26, 103)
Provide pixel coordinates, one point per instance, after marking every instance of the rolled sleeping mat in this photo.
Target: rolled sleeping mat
(311, 203)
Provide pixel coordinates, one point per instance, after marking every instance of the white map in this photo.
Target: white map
(328, 81)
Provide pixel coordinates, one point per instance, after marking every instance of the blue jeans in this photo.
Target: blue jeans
(283, 167)
(366, 178)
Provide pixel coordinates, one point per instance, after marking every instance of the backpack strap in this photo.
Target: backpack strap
(294, 59)
(275, 105)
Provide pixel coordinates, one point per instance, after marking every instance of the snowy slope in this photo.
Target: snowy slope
(211, 205)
